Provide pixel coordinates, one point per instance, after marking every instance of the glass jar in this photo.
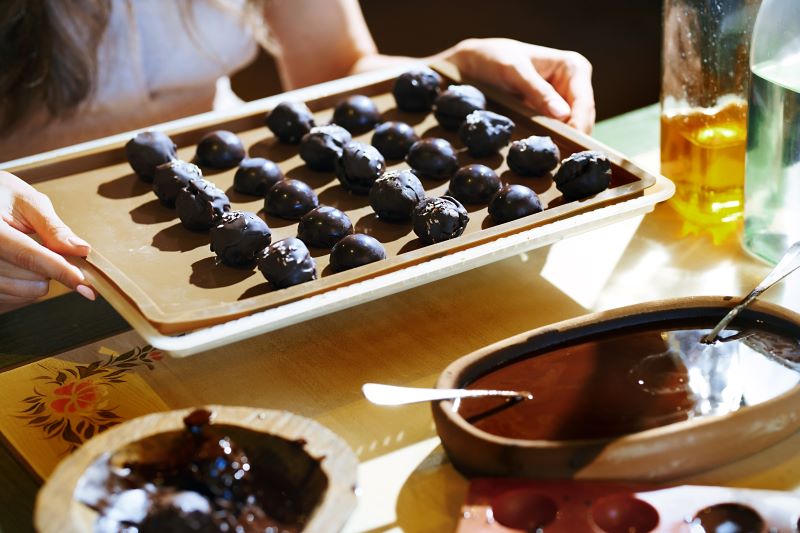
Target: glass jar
(705, 71)
(772, 186)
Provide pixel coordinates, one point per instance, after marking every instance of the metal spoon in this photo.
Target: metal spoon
(392, 395)
(788, 264)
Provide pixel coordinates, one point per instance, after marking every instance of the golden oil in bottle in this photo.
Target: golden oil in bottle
(702, 152)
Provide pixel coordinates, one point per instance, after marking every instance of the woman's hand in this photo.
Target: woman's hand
(25, 264)
(556, 83)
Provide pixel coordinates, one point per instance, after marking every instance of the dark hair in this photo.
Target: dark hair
(48, 55)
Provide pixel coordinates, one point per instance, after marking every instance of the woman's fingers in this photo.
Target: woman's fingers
(23, 288)
(523, 78)
(37, 211)
(580, 94)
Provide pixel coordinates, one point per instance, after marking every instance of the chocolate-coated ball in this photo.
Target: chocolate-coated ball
(322, 146)
(323, 227)
(359, 166)
(256, 176)
(354, 251)
(474, 184)
(289, 121)
(453, 105)
(513, 202)
(534, 156)
(432, 158)
(290, 199)
(171, 177)
(147, 150)
(395, 194)
(220, 149)
(239, 238)
(416, 89)
(200, 204)
(393, 139)
(286, 263)
(439, 219)
(357, 114)
(485, 132)
(583, 174)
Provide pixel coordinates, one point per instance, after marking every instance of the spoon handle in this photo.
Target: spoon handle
(391, 395)
(788, 264)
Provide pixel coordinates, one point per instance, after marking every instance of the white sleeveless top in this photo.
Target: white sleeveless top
(158, 61)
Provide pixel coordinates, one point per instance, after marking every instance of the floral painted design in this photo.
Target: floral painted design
(72, 405)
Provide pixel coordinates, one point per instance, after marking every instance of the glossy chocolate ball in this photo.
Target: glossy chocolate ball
(322, 146)
(286, 263)
(239, 238)
(393, 139)
(256, 176)
(433, 158)
(513, 202)
(439, 219)
(359, 166)
(453, 105)
(583, 174)
(147, 150)
(289, 121)
(485, 132)
(220, 149)
(171, 177)
(323, 227)
(290, 199)
(395, 194)
(200, 204)
(354, 251)
(416, 89)
(534, 156)
(357, 114)
(474, 184)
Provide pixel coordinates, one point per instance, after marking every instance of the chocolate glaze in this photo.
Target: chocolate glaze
(256, 176)
(290, 199)
(432, 158)
(200, 204)
(393, 139)
(439, 219)
(357, 114)
(322, 146)
(289, 121)
(286, 263)
(359, 166)
(171, 177)
(583, 174)
(726, 517)
(354, 251)
(533, 156)
(453, 105)
(323, 227)
(474, 184)
(485, 132)
(220, 149)
(416, 89)
(394, 195)
(147, 150)
(512, 202)
(239, 238)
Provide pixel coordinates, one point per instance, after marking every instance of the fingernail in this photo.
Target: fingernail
(85, 291)
(558, 108)
(77, 241)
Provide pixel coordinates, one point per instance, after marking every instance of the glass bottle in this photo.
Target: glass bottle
(705, 73)
(772, 184)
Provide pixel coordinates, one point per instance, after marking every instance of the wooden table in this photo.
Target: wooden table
(316, 368)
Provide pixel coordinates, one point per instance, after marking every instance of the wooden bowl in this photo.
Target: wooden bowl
(655, 454)
(57, 509)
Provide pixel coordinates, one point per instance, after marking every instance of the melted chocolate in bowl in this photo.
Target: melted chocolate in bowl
(209, 477)
(632, 380)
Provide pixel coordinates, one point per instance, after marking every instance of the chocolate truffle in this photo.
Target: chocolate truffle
(354, 251)
(286, 263)
(322, 146)
(239, 238)
(220, 149)
(393, 139)
(359, 166)
(171, 177)
(533, 156)
(513, 202)
(474, 184)
(289, 121)
(583, 174)
(432, 158)
(394, 195)
(357, 114)
(416, 89)
(200, 204)
(147, 150)
(255, 176)
(453, 105)
(485, 132)
(290, 199)
(439, 219)
(323, 227)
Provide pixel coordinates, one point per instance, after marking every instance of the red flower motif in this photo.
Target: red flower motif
(156, 355)
(78, 396)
